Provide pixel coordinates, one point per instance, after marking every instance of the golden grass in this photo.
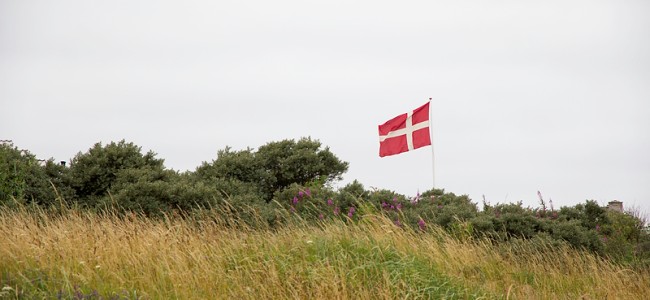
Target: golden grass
(42, 254)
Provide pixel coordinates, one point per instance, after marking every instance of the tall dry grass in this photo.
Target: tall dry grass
(77, 254)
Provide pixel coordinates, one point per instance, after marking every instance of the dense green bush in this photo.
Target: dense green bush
(15, 168)
(24, 178)
(237, 169)
(155, 191)
(577, 235)
(575, 225)
(93, 173)
(276, 165)
(623, 236)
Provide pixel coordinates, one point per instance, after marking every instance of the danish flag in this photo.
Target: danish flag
(405, 132)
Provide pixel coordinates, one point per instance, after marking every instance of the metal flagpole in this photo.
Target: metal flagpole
(433, 157)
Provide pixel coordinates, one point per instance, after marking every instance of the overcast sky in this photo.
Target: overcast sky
(527, 95)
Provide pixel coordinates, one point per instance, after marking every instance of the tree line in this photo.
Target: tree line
(294, 178)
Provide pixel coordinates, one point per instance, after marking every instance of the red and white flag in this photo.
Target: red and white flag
(405, 132)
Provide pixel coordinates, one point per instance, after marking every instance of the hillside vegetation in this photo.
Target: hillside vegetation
(266, 222)
(84, 255)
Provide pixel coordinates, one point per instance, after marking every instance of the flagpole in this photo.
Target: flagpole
(433, 157)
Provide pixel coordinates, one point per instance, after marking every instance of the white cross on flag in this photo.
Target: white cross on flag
(405, 132)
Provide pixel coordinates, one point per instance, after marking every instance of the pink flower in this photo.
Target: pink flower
(320, 217)
(351, 211)
(421, 224)
(337, 210)
(330, 202)
(295, 200)
(308, 192)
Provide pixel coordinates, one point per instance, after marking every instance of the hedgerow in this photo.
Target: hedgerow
(294, 179)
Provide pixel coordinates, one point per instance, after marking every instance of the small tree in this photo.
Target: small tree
(93, 173)
(23, 177)
(299, 162)
(238, 167)
(276, 165)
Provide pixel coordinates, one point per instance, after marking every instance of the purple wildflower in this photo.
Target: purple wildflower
(351, 211)
(421, 224)
(320, 217)
(330, 202)
(337, 210)
(295, 200)
(308, 192)
(384, 205)
(398, 223)
(392, 206)
(399, 206)
(300, 193)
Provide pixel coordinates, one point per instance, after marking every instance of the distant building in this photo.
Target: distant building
(615, 205)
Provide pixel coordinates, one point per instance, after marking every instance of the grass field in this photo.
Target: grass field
(81, 255)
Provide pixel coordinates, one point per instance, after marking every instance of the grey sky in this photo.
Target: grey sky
(545, 95)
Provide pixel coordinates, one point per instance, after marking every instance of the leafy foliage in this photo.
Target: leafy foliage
(14, 170)
(155, 191)
(276, 165)
(24, 178)
(94, 172)
(293, 180)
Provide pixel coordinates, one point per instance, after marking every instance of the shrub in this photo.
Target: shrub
(24, 178)
(276, 165)
(576, 235)
(156, 191)
(624, 236)
(93, 173)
